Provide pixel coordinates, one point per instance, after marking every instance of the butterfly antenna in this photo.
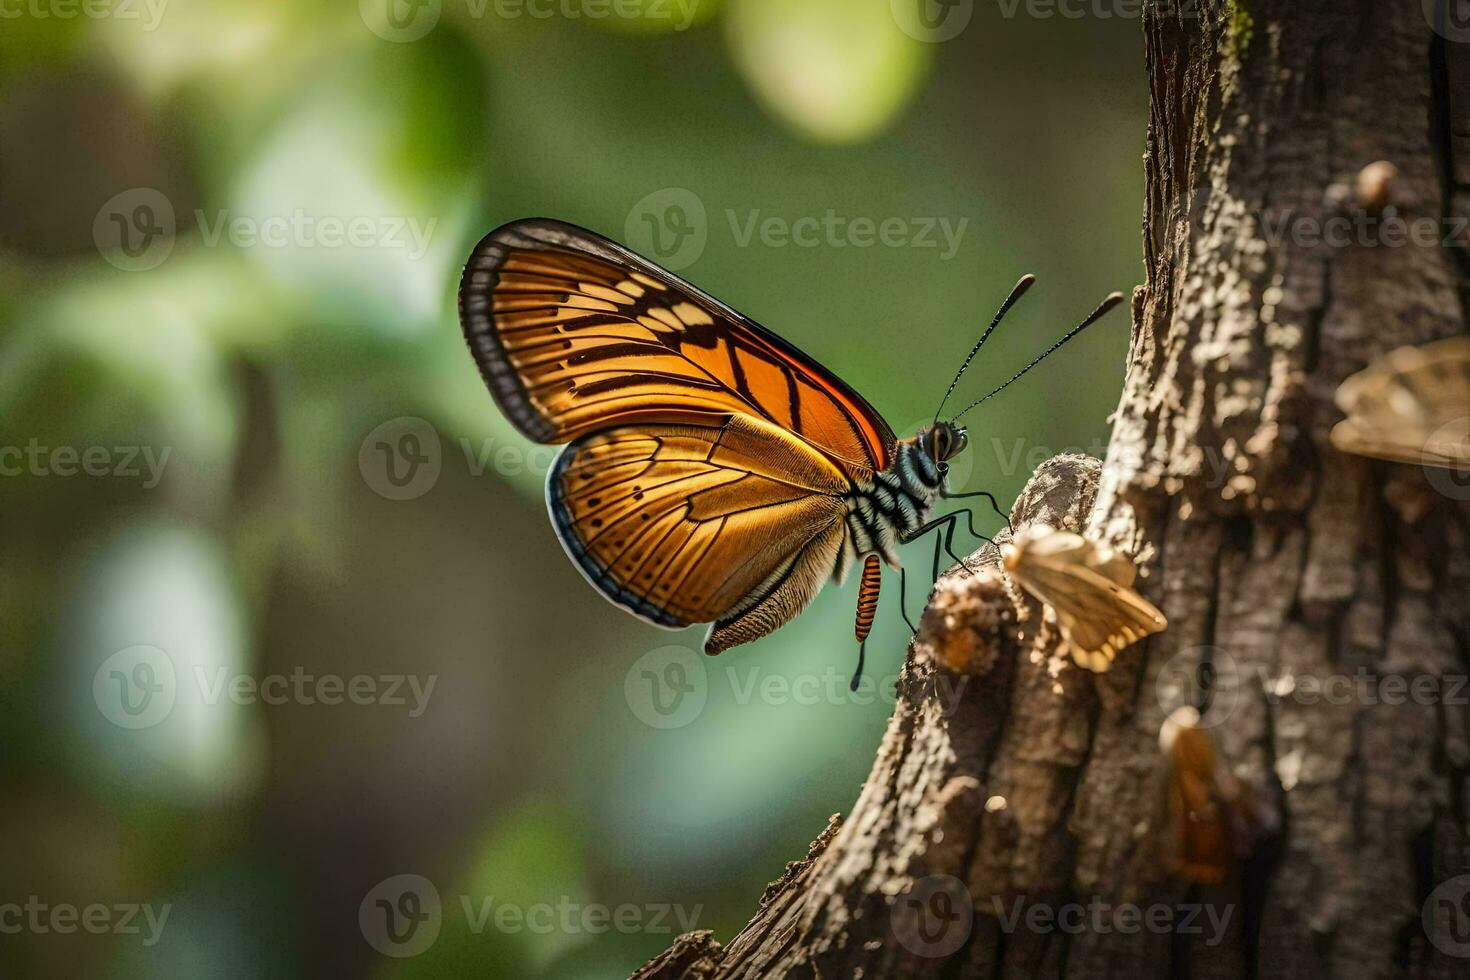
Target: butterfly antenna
(1019, 289)
(1112, 300)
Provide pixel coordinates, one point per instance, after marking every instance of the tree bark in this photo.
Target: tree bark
(1318, 603)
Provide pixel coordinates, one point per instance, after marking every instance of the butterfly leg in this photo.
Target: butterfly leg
(903, 595)
(942, 543)
(934, 569)
(947, 522)
(970, 520)
(993, 506)
(903, 587)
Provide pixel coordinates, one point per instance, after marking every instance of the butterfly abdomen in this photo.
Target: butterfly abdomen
(868, 596)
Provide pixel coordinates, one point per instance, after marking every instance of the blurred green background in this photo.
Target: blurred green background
(230, 235)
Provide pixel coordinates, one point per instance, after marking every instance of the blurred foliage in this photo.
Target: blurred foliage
(252, 372)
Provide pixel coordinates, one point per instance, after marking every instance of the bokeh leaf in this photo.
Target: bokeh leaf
(836, 71)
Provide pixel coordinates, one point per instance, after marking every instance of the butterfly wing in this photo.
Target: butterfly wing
(1216, 820)
(1413, 406)
(574, 333)
(1088, 586)
(1198, 846)
(1099, 617)
(735, 522)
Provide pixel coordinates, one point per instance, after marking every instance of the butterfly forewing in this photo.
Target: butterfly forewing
(574, 333)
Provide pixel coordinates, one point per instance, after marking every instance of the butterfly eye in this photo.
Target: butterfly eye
(944, 469)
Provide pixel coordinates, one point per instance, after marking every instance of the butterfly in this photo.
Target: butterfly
(1413, 406)
(1089, 585)
(713, 473)
(1215, 820)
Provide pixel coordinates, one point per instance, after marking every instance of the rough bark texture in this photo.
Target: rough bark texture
(1306, 590)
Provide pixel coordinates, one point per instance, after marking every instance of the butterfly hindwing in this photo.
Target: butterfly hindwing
(574, 333)
(736, 522)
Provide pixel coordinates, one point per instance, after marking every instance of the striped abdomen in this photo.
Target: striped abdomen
(868, 596)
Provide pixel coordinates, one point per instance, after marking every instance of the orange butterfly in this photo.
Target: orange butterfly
(713, 473)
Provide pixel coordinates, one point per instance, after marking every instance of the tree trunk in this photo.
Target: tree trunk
(1014, 823)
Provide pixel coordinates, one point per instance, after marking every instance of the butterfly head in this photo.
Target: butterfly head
(942, 441)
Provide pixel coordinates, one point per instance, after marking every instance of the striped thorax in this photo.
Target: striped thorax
(886, 509)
